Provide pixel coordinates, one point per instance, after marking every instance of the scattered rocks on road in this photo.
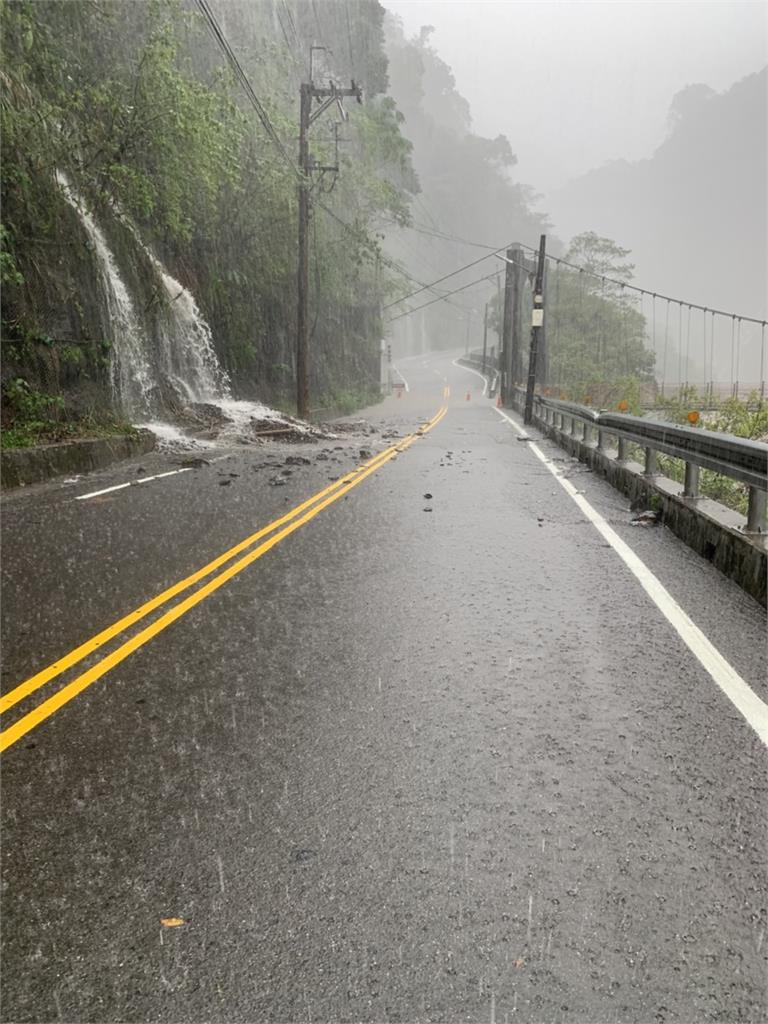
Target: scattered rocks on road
(647, 518)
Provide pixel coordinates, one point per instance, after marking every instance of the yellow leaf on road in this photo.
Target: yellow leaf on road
(172, 922)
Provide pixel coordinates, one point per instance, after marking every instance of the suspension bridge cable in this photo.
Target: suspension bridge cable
(558, 260)
(645, 291)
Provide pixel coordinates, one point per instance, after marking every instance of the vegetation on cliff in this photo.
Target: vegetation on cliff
(138, 107)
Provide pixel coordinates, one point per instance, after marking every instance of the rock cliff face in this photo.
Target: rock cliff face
(150, 217)
(114, 328)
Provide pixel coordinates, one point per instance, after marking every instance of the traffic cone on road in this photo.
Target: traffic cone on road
(469, 395)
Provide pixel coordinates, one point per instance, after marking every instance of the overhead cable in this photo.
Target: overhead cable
(256, 103)
(445, 278)
(442, 298)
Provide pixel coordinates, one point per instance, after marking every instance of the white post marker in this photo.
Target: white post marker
(738, 692)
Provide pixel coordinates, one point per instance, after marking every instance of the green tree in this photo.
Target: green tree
(596, 336)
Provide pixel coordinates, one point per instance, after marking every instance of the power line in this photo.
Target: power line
(272, 133)
(361, 236)
(445, 277)
(442, 298)
(276, 140)
(423, 230)
(245, 82)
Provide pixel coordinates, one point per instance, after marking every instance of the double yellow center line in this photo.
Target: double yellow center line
(275, 532)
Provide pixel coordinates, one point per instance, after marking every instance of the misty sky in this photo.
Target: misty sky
(577, 83)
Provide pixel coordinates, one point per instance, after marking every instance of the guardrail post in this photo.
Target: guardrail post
(651, 466)
(600, 440)
(691, 486)
(587, 433)
(573, 426)
(758, 504)
(623, 445)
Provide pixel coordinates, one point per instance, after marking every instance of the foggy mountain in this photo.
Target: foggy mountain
(469, 193)
(694, 214)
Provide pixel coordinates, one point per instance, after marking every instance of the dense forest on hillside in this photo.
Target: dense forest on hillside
(149, 198)
(136, 109)
(469, 195)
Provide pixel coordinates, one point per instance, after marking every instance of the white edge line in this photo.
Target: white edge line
(402, 378)
(476, 373)
(743, 698)
(132, 483)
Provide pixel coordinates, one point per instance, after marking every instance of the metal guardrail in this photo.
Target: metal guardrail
(736, 457)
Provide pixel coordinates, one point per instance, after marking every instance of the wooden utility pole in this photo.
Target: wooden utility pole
(542, 349)
(516, 354)
(485, 336)
(537, 323)
(506, 330)
(328, 95)
(302, 325)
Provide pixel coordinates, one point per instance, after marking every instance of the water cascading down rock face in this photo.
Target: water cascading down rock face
(180, 361)
(188, 357)
(185, 358)
(134, 383)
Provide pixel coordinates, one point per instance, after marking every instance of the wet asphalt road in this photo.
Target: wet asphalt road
(428, 759)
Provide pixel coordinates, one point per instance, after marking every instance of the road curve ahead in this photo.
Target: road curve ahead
(410, 725)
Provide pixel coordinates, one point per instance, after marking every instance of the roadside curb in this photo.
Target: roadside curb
(22, 466)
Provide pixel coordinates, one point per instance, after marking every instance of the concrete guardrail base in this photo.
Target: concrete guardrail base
(21, 466)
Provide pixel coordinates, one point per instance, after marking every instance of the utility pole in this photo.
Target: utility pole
(485, 335)
(542, 349)
(328, 95)
(519, 269)
(506, 330)
(302, 326)
(537, 323)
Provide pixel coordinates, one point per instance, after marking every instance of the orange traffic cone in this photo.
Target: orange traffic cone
(469, 395)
